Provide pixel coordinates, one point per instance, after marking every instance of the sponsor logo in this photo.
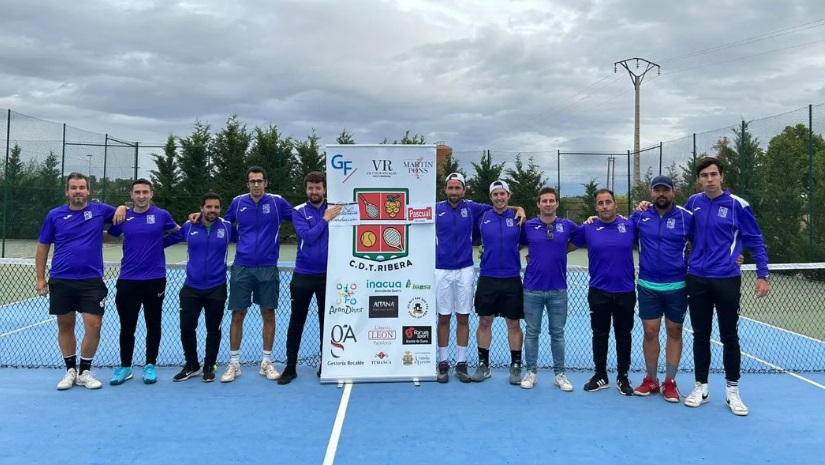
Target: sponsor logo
(407, 359)
(382, 169)
(487, 221)
(382, 335)
(599, 228)
(420, 214)
(645, 220)
(381, 358)
(394, 266)
(346, 310)
(339, 163)
(130, 218)
(243, 208)
(384, 287)
(339, 337)
(417, 307)
(415, 335)
(418, 166)
(416, 358)
(383, 306)
(383, 233)
(412, 285)
(87, 215)
(346, 294)
(193, 233)
(67, 217)
(442, 213)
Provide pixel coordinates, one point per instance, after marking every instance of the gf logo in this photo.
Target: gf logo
(339, 163)
(339, 335)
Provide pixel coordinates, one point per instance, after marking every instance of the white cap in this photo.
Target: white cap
(457, 176)
(499, 184)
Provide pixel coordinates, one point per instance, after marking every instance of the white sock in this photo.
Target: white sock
(267, 356)
(462, 354)
(235, 356)
(443, 354)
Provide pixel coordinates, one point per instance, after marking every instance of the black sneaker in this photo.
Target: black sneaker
(598, 382)
(288, 375)
(461, 372)
(623, 385)
(443, 372)
(187, 373)
(209, 374)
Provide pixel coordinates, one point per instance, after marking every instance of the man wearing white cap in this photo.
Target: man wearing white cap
(455, 219)
(499, 291)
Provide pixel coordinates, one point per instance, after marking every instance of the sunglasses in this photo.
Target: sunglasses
(549, 232)
(256, 181)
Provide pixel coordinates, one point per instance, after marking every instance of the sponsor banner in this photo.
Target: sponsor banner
(380, 320)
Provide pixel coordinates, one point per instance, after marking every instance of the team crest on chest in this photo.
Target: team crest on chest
(150, 219)
(464, 213)
(723, 212)
(87, 215)
(265, 209)
(559, 227)
(221, 233)
(621, 228)
(671, 223)
(509, 222)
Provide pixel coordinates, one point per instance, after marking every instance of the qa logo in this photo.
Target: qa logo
(339, 336)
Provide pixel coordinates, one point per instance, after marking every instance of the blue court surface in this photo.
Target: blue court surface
(253, 420)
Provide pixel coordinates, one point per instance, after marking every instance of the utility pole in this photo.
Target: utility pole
(637, 84)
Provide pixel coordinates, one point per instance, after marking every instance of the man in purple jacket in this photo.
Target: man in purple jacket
(311, 220)
(722, 224)
(254, 272)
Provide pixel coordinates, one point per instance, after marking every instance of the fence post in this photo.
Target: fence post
(558, 171)
(6, 183)
(105, 159)
(660, 158)
(63, 154)
(137, 145)
(629, 193)
(810, 183)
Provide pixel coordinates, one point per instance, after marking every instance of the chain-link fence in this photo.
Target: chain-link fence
(777, 332)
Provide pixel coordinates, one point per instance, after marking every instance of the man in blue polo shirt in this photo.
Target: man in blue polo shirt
(663, 233)
(455, 221)
(611, 295)
(142, 279)
(207, 246)
(254, 273)
(499, 291)
(76, 276)
(311, 220)
(722, 224)
(545, 286)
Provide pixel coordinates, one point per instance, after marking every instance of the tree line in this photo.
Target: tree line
(784, 187)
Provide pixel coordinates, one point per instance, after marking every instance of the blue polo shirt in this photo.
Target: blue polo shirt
(454, 233)
(500, 236)
(609, 253)
(547, 265)
(77, 236)
(207, 249)
(143, 256)
(313, 238)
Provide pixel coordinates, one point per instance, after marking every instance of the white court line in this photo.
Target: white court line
(775, 367)
(27, 327)
(332, 447)
(784, 330)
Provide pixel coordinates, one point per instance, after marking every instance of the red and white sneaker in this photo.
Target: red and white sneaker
(648, 387)
(669, 390)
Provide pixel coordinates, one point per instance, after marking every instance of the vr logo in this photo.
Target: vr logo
(339, 163)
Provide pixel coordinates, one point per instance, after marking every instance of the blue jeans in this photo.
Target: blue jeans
(534, 304)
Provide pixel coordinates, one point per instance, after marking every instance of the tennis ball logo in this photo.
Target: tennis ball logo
(368, 239)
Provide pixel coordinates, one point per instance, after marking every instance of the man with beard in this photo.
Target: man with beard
(663, 233)
(76, 275)
(311, 220)
(207, 246)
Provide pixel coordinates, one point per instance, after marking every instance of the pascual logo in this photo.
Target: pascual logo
(339, 336)
(345, 166)
(420, 214)
(383, 306)
(381, 358)
(382, 335)
(417, 335)
(418, 166)
(382, 169)
(412, 285)
(418, 307)
(384, 287)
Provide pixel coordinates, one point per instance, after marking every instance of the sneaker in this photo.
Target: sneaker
(288, 375)
(530, 380)
(515, 373)
(87, 378)
(121, 375)
(68, 380)
(443, 372)
(267, 369)
(623, 385)
(482, 372)
(669, 390)
(209, 373)
(596, 383)
(649, 386)
(233, 370)
(150, 375)
(698, 396)
(461, 372)
(186, 373)
(735, 402)
(563, 383)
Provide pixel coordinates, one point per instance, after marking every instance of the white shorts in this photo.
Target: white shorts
(454, 291)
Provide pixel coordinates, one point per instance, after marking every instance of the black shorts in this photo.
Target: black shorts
(499, 297)
(77, 295)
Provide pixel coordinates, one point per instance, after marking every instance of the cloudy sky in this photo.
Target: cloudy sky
(507, 75)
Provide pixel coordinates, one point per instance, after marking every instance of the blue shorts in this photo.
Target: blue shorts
(258, 284)
(653, 304)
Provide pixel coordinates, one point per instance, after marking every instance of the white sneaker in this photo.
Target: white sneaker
(268, 370)
(698, 396)
(530, 380)
(87, 378)
(563, 383)
(233, 370)
(68, 380)
(735, 402)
